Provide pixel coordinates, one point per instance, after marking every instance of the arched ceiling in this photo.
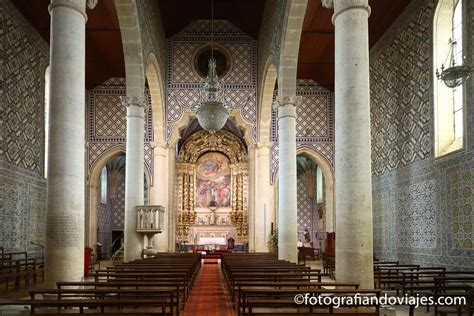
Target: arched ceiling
(104, 53)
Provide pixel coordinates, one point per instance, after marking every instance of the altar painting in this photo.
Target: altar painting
(213, 180)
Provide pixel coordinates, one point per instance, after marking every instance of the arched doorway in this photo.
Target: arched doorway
(212, 190)
(315, 197)
(106, 190)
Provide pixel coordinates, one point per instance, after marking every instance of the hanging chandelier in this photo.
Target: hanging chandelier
(211, 109)
(454, 75)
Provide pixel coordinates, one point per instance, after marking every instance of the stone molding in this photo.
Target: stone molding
(159, 144)
(133, 100)
(264, 144)
(344, 5)
(286, 100)
(78, 5)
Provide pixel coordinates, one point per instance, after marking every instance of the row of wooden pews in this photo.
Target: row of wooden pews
(434, 282)
(17, 269)
(157, 286)
(261, 284)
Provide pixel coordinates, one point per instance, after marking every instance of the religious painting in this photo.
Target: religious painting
(213, 180)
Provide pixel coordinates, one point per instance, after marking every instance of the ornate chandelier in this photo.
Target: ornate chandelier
(454, 75)
(212, 109)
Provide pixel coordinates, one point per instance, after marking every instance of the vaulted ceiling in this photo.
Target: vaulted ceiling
(104, 53)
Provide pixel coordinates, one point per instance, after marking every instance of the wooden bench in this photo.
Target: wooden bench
(15, 270)
(288, 285)
(81, 304)
(277, 301)
(169, 297)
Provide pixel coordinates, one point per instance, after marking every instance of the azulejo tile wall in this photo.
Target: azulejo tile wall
(422, 206)
(107, 123)
(239, 82)
(22, 187)
(314, 123)
(304, 213)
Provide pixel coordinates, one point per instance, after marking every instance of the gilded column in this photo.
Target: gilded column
(287, 233)
(65, 200)
(179, 203)
(353, 186)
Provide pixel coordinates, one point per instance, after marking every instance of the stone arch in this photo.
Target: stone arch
(127, 13)
(290, 45)
(328, 174)
(155, 84)
(188, 115)
(265, 101)
(238, 119)
(221, 141)
(93, 189)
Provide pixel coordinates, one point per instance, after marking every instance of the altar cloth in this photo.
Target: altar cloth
(212, 241)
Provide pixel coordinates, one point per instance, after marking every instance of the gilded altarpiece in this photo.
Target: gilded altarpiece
(212, 188)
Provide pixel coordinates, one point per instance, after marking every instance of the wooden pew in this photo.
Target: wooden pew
(276, 301)
(288, 285)
(168, 297)
(81, 304)
(15, 270)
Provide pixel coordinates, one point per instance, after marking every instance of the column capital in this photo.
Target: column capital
(161, 144)
(78, 5)
(286, 100)
(344, 5)
(264, 144)
(132, 100)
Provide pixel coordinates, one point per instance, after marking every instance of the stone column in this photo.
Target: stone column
(287, 236)
(93, 190)
(134, 173)
(66, 186)
(264, 212)
(353, 187)
(160, 191)
(252, 197)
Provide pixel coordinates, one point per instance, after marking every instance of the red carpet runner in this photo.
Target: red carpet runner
(209, 296)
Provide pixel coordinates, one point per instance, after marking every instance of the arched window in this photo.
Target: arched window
(103, 185)
(448, 102)
(46, 120)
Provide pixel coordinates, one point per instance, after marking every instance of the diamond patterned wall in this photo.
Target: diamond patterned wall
(104, 235)
(118, 208)
(461, 194)
(25, 57)
(400, 95)
(184, 82)
(22, 187)
(314, 123)
(107, 122)
(422, 206)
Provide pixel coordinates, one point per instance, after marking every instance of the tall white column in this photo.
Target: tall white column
(93, 199)
(160, 191)
(287, 232)
(252, 197)
(171, 198)
(66, 186)
(134, 173)
(264, 211)
(353, 186)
